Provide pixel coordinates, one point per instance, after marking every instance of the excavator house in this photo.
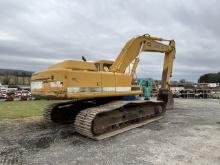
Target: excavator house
(95, 94)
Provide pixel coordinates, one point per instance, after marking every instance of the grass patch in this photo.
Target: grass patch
(22, 109)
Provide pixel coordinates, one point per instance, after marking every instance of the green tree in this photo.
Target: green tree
(6, 80)
(210, 78)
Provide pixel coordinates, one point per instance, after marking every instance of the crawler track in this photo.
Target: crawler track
(116, 117)
(65, 112)
(99, 119)
(62, 113)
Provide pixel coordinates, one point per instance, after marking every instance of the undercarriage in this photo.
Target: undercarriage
(116, 117)
(104, 117)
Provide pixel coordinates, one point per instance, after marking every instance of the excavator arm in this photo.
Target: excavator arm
(145, 43)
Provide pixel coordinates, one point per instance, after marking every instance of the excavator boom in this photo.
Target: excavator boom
(146, 43)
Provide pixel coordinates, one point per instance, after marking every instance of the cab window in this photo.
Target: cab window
(106, 67)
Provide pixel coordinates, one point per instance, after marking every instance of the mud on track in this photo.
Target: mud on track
(189, 134)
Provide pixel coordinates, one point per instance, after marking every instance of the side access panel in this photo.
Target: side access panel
(82, 82)
(108, 82)
(123, 82)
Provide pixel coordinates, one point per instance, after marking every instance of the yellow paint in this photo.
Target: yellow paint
(79, 79)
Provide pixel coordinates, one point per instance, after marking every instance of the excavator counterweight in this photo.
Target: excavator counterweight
(94, 92)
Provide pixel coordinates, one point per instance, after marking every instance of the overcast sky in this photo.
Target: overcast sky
(37, 33)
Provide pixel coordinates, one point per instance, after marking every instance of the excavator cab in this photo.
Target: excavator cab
(103, 65)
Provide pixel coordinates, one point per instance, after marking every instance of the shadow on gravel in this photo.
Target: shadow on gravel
(154, 126)
(24, 138)
(44, 135)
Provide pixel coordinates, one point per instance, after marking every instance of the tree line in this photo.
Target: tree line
(210, 78)
(15, 77)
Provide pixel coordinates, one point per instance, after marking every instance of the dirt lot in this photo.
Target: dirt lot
(189, 134)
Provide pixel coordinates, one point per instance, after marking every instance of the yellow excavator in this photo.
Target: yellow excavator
(100, 97)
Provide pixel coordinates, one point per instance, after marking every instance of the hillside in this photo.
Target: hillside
(210, 78)
(13, 72)
(17, 77)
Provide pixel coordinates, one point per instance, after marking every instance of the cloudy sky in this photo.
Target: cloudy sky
(37, 33)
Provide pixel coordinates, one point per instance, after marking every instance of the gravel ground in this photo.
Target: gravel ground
(189, 134)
